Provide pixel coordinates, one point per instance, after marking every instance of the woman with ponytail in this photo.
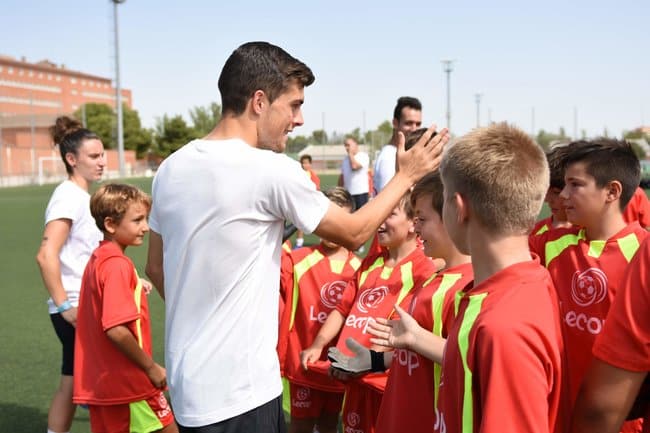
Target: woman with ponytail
(69, 238)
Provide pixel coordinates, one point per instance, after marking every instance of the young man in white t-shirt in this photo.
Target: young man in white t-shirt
(354, 173)
(219, 206)
(407, 117)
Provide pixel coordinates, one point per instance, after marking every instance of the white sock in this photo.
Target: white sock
(299, 242)
(52, 431)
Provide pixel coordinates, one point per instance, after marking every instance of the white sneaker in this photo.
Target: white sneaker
(299, 242)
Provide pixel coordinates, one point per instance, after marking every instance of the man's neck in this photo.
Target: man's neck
(231, 127)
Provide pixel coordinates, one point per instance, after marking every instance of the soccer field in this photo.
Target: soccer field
(30, 355)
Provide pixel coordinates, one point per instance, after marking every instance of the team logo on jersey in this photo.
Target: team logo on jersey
(372, 298)
(588, 287)
(303, 393)
(331, 293)
(353, 419)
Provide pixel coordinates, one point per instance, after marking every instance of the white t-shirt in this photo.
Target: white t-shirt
(356, 181)
(384, 166)
(220, 208)
(69, 201)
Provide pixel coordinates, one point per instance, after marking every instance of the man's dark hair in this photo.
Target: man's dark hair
(259, 66)
(607, 160)
(406, 101)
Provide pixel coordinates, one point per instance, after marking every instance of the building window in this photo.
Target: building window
(73, 80)
(10, 70)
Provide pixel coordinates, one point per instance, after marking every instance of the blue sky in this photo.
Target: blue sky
(555, 57)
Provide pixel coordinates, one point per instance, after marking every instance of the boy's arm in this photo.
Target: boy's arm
(124, 340)
(352, 230)
(606, 397)
(154, 267)
(327, 332)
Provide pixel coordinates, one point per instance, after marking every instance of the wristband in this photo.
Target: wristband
(377, 361)
(64, 306)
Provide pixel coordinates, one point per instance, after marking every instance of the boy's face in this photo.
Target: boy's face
(306, 165)
(556, 203)
(429, 227)
(332, 245)
(582, 198)
(396, 229)
(131, 230)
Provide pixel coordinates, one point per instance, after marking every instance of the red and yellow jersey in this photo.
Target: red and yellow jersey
(638, 209)
(542, 226)
(502, 367)
(314, 178)
(111, 295)
(625, 340)
(587, 275)
(312, 284)
(411, 391)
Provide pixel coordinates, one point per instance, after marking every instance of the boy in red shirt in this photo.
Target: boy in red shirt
(409, 399)
(312, 281)
(502, 365)
(381, 282)
(621, 356)
(114, 372)
(588, 264)
(553, 200)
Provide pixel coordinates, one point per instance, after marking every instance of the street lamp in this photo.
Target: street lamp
(478, 109)
(118, 95)
(448, 67)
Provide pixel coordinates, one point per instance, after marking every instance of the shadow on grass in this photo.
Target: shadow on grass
(21, 419)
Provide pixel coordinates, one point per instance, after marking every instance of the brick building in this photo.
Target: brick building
(32, 95)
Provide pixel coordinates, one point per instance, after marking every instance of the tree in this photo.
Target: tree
(204, 119)
(297, 143)
(101, 119)
(319, 136)
(171, 133)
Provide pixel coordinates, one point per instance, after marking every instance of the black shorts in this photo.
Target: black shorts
(360, 200)
(65, 332)
(268, 418)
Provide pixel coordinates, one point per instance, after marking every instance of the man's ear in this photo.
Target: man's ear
(259, 101)
(614, 190)
(110, 225)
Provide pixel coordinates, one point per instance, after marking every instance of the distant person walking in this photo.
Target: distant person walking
(354, 172)
(69, 238)
(219, 206)
(407, 117)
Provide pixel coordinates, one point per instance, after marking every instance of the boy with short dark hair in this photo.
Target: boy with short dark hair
(384, 280)
(114, 372)
(312, 280)
(588, 264)
(502, 364)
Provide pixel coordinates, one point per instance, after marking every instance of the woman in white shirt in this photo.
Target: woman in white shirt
(69, 238)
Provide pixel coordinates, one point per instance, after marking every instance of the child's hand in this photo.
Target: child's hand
(309, 355)
(146, 286)
(157, 375)
(398, 333)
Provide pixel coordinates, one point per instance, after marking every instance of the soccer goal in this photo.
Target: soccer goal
(50, 169)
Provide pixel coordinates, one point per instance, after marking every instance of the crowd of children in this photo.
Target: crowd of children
(500, 338)
(469, 315)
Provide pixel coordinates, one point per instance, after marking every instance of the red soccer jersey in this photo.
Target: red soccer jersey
(542, 226)
(377, 288)
(314, 178)
(502, 368)
(625, 340)
(111, 295)
(587, 275)
(409, 400)
(638, 209)
(313, 286)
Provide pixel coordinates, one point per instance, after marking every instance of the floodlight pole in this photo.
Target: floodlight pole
(477, 96)
(448, 67)
(118, 95)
